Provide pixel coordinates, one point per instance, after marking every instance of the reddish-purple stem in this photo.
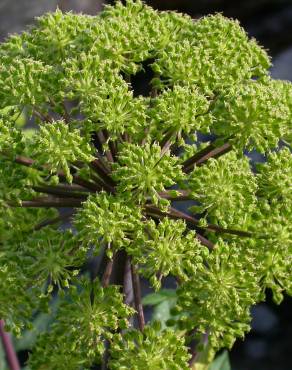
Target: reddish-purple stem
(107, 273)
(102, 138)
(66, 115)
(48, 202)
(24, 161)
(206, 242)
(198, 155)
(210, 152)
(98, 166)
(128, 284)
(166, 143)
(175, 214)
(43, 117)
(54, 190)
(137, 297)
(76, 179)
(11, 357)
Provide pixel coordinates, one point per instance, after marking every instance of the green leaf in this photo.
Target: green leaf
(162, 311)
(40, 324)
(154, 299)
(221, 362)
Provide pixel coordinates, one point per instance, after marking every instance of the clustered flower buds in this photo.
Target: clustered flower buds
(123, 165)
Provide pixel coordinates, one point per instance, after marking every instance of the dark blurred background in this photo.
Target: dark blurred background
(268, 345)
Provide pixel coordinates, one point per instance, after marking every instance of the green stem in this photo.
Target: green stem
(202, 360)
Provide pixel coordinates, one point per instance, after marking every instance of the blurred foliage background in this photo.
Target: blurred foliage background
(268, 345)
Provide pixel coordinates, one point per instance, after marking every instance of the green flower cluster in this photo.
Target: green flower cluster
(209, 58)
(26, 82)
(10, 136)
(17, 311)
(254, 115)
(152, 349)
(225, 189)
(107, 219)
(124, 164)
(17, 223)
(273, 254)
(58, 146)
(162, 170)
(180, 111)
(166, 249)
(274, 178)
(214, 297)
(75, 339)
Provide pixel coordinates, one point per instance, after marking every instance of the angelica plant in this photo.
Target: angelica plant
(125, 165)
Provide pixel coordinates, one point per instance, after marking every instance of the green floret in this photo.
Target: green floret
(10, 135)
(166, 248)
(17, 302)
(26, 82)
(114, 108)
(273, 253)
(17, 223)
(107, 219)
(77, 340)
(128, 34)
(15, 182)
(275, 177)
(85, 75)
(59, 146)
(151, 350)
(52, 256)
(219, 55)
(132, 33)
(254, 115)
(225, 189)
(217, 298)
(58, 36)
(180, 111)
(145, 171)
